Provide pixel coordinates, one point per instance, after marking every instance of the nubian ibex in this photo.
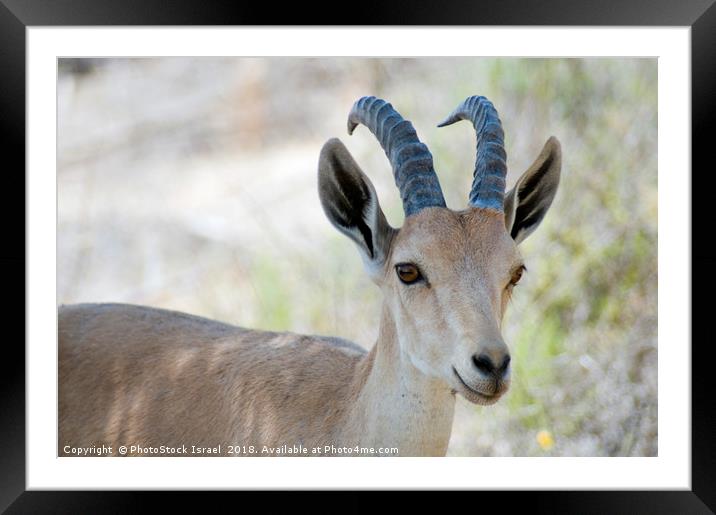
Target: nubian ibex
(145, 377)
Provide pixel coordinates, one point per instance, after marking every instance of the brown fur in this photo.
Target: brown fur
(167, 378)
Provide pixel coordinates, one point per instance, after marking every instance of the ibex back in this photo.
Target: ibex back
(131, 375)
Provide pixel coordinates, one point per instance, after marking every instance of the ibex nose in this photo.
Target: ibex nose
(488, 367)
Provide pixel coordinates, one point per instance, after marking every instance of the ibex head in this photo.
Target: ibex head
(446, 275)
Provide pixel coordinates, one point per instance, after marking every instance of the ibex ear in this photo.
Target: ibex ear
(526, 204)
(351, 204)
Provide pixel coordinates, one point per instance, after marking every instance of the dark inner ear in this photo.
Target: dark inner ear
(530, 209)
(350, 201)
(527, 203)
(351, 204)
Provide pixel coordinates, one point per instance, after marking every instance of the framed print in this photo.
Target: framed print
(237, 277)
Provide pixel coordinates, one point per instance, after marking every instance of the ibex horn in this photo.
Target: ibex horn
(410, 159)
(488, 184)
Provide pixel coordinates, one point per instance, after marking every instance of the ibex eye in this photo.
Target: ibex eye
(517, 275)
(408, 273)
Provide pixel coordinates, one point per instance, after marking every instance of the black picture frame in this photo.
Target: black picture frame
(17, 15)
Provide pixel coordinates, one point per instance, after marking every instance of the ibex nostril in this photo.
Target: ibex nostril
(483, 363)
(505, 364)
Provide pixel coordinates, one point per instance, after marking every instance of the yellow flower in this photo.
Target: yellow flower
(545, 440)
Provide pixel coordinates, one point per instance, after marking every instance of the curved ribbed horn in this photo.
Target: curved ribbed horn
(410, 159)
(488, 184)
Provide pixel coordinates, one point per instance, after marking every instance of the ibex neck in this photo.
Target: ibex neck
(397, 405)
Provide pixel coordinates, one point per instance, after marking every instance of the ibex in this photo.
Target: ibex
(131, 375)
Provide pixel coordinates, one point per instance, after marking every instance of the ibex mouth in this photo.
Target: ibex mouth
(475, 396)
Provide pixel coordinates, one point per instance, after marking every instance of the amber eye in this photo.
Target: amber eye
(408, 273)
(517, 275)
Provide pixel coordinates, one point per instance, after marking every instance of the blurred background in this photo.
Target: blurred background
(190, 184)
